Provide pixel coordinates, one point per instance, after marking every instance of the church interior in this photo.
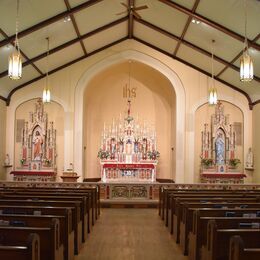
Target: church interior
(126, 117)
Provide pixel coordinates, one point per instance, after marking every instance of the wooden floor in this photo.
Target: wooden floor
(130, 234)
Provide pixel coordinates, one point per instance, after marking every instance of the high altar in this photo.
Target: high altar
(38, 150)
(128, 151)
(218, 150)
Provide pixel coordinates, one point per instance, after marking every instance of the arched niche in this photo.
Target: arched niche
(55, 113)
(155, 102)
(203, 116)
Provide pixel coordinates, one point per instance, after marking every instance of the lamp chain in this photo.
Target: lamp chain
(245, 8)
(16, 26)
(47, 62)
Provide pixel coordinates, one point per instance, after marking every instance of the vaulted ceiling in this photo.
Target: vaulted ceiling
(181, 29)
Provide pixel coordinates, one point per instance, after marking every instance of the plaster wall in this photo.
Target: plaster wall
(3, 170)
(191, 91)
(154, 104)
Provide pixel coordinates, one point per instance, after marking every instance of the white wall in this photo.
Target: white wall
(191, 89)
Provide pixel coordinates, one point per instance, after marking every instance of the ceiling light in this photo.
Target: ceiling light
(46, 95)
(66, 19)
(246, 62)
(195, 21)
(15, 59)
(213, 96)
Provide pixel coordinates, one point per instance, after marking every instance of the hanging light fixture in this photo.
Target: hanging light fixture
(46, 95)
(246, 62)
(15, 59)
(213, 96)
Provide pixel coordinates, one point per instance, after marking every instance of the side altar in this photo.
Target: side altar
(128, 151)
(38, 148)
(219, 163)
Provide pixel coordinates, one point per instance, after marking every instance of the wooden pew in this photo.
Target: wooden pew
(28, 250)
(237, 250)
(198, 236)
(186, 219)
(217, 247)
(66, 227)
(45, 221)
(50, 246)
(74, 205)
(180, 212)
(37, 197)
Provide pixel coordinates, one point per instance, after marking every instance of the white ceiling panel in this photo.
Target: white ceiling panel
(198, 59)
(58, 33)
(231, 14)
(186, 3)
(94, 16)
(31, 12)
(61, 57)
(5, 52)
(231, 76)
(149, 35)
(98, 40)
(6, 84)
(172, 20)
(202, 35)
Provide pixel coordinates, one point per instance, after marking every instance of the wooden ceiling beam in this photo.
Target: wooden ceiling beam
(250, 104)
(76, 28)
(211, 23)
(8, 99)
(130, 20)
(190, 45)
(50, 21)
(186, 27)
(71, 42)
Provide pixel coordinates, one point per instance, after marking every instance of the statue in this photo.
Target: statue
(7, 159)
(220, 149)
(37, 142)
(250, 159)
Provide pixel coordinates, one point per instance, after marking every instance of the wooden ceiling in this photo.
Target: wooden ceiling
(166, 26)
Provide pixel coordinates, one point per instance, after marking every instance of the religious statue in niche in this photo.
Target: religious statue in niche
(250, 159)
(218, 143)
(38, 151)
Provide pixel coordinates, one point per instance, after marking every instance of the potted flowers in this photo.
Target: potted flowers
(103, 154)
(153, 155)
(22, 161)
(233, 163)
(207, 162)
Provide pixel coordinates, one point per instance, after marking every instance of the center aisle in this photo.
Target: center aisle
(130, 234)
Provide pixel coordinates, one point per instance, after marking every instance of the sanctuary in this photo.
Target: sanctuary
(128, 150)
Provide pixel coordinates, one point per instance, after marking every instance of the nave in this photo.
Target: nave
(132, 234)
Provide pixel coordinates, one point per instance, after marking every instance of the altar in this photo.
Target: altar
(37, 160)
(128, 151)
(219, 161)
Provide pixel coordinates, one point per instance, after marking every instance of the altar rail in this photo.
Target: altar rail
(130, 191)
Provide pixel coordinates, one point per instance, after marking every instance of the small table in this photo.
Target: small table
(69, 177)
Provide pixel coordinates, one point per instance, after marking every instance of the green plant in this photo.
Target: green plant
(234, 162)
(22, 161)
(207, 161)
(103, 154)
(153, 155)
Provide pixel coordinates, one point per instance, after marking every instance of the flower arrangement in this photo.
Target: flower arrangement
(153, 155)
(47, 161)
(22, 161)
(103, 154)
(234, 162)
(207, 161)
